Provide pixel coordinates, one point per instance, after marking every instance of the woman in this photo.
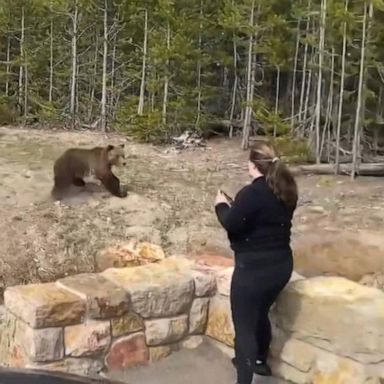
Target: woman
(258, 223)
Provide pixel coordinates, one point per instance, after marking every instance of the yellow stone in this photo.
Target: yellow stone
(44, 305)
(335, 314)
(126, 324)
(220, 326)
(87, 339)
(158, 353)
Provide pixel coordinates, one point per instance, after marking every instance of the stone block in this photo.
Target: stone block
(198, 315)
(131, 254)
(336, 315)
(165, 331)
(126, 324)
(224, 278)
(104, 299)
(43, 345)
(192, 342)
(159, 353)
(155, 290)
(127, 351)
(205, 282)
(219, 325)
(44, 305)
(76, 366)
(87, 339)
(204, 279)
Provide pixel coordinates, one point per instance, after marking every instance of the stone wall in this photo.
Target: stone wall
(88, 323)
(327, 330)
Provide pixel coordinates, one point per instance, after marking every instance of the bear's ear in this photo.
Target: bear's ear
(110, 147)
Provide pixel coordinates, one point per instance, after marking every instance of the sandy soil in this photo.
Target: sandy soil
(170, 203)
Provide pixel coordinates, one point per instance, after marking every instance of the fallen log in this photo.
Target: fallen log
(365, 169)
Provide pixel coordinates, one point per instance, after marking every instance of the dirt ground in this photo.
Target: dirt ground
(169, 203)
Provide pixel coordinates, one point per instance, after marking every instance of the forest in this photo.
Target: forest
(304, 71)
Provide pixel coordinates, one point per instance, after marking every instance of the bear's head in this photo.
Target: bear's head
(116, 155)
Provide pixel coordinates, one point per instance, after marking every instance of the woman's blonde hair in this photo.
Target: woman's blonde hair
(277, 174)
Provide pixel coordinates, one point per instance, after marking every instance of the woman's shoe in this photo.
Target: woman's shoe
(260, 368)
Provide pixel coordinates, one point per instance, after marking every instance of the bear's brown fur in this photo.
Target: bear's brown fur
(76, 163)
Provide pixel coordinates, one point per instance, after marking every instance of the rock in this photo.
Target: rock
(149, 253)
(289, 373)
(75, 366)
(316, 209)
(296, 353)
(220, 326)
(104, 299)
(129, 323)
(192, 342)
(87, 339)
(44, 305)
(43, 345)
(127, 351)
(131, 254)
(159, 353)
(165, 331)
(213, 261)
(155, 290)
(205, 282)
(198, 315)
(224, 279)
(336, 315)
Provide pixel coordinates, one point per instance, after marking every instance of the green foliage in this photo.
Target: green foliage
(8, 112)
(293, 151)
(189, 68)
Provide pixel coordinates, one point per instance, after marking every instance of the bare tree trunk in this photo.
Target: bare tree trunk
(74, 63)
(50, 93)
(235, 82)
(360, 95)
(22, 58)
(7, 69)
(248, 108)
(379, 117)
(25, 86)
(112, 105)
(140, 108)
(293, 90)
(166, 79)
(320, 78)
(94, 76)
(301, 106)
(328, 115)
(277, 98)
(308, 91)
(198, 117)
(341, 94)
(103, 115)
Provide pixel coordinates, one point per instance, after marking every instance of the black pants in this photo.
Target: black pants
(253, 291)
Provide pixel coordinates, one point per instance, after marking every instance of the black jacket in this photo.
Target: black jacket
(257, 222)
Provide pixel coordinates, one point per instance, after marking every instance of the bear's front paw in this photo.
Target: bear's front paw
(123, 191)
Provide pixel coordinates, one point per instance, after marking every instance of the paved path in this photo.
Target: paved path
(204, 365)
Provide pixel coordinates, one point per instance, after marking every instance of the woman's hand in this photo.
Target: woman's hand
(220, 198)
